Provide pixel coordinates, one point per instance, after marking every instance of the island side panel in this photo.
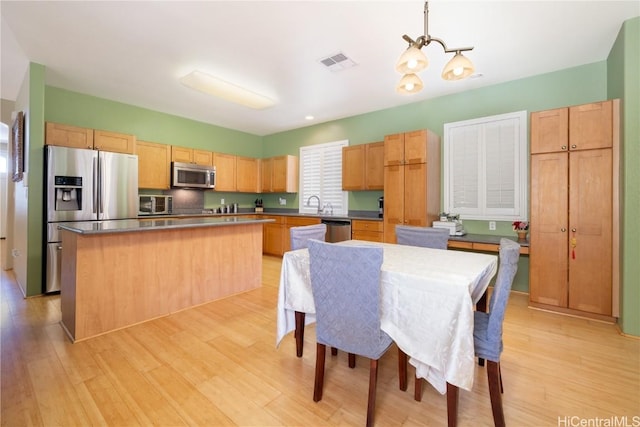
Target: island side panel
(126, 278)
(68, 282)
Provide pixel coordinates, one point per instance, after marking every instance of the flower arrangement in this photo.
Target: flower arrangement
(520, 225)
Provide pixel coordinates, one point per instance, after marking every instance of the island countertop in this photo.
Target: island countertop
(154, 224)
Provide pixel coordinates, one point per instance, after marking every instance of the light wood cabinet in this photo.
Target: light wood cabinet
(78, 137)
(68, 136)
(225, 171)
(114, 142)
(279, 174)
(247, 174)
(154, 165)
(368, 230)
(574, 199)
(191, 155)
(363, 167)
(411, 180)
(272, 235)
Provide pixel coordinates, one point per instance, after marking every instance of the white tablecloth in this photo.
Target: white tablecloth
(427, 296)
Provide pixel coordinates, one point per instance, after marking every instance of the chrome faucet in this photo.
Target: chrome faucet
(317, 198)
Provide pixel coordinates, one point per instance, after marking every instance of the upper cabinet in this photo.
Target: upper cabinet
(411, 180)
(280, 174)
(78, 137)
(590, 127)
(363, 167)
(225, 171)
(191, 155)
(247, 175)
(154, 165)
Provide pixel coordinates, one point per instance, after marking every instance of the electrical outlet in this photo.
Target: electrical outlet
(222, 201)
(283, 202)
(492, 225)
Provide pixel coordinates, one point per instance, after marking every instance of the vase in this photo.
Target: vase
(522, 235)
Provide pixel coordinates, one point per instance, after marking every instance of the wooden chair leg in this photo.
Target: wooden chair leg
(352, 360)
(317, 388)
(452, 405)
(500, 376)
(299, 333)
(417, 393)
(373, 379)
(493, 375)
(334, 351)
(481, 305)
(402, 369)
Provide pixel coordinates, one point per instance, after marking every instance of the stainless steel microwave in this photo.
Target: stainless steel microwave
(187, 175)
(154, 205)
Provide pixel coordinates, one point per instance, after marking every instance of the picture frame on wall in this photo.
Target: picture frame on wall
(17, 148)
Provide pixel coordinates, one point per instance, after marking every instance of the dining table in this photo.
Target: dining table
(427, 303)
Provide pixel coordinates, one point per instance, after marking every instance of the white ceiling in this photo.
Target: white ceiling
(134, 52)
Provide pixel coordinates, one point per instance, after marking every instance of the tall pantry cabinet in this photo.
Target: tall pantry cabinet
(574, 209)
(411, 180)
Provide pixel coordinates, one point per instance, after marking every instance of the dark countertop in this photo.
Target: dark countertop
(488, 238)
(206, 213)
(155, 224)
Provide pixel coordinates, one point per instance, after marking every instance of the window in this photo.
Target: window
(321, 175)
(485, 167)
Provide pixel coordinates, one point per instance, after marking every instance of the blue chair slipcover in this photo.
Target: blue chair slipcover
(299, 237)
(345, 281)
(426, 237)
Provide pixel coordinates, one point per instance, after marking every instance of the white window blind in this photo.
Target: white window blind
(485, 167)
(321, 175)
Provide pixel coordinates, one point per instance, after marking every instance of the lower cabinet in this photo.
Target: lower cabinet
(272, 232)
(372, 231)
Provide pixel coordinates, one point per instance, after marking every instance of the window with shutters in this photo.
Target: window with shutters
(485, 167)
(321, 175)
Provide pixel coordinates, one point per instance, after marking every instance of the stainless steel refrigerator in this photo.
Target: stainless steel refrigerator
(85, 185)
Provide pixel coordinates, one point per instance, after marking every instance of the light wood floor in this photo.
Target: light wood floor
(217, 365)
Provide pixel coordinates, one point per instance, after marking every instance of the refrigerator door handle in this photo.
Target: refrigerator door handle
(95, 185)
(100, 185)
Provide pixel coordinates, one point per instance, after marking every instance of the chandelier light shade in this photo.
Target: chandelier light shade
(413, 60)
(458, 68)
(410, 83)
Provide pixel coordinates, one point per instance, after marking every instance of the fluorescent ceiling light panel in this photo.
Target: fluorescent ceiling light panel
(222, 89)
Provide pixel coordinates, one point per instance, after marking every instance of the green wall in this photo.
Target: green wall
(623, 82)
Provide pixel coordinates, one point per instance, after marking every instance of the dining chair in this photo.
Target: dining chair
(345, 281)
(299, 237)
(487, 335)
(426, 237)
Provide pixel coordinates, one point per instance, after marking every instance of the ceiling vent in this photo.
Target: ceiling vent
(338, 62)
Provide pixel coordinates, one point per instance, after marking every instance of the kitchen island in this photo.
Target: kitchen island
(119, 273)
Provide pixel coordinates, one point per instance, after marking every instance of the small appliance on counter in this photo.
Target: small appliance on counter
(380, 207)
(451, 223)
(155, 204)
(258, 203)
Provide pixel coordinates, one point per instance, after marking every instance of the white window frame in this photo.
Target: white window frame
(466, 169)
(321, 175)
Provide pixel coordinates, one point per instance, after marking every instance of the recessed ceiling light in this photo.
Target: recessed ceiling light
(309, 117)
(222, 89)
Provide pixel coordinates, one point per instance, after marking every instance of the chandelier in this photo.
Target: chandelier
(413, 60)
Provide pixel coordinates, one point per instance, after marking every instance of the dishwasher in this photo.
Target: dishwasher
(338, 230)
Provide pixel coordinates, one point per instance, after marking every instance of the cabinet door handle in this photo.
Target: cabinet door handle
(563, 229)
(574, 146)
(573, 230)
(564, 147)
